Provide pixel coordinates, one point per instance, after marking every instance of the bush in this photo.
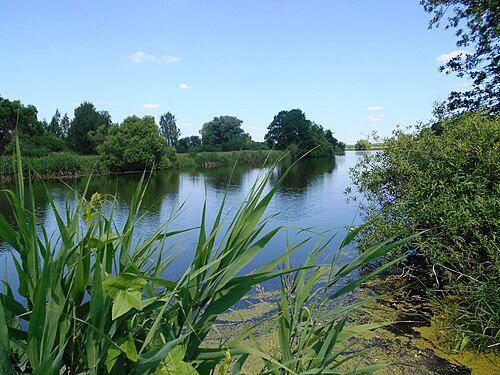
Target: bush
(448, 186)
(134, 145)
(362, 144)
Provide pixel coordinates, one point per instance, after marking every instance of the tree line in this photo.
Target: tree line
(138, 142)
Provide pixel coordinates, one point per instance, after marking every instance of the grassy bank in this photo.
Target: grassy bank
(66, 164)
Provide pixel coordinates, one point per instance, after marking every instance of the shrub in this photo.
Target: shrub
(448, 186)
(362, 144)
(135, 145)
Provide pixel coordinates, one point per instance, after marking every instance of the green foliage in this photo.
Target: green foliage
(169, 129)
(292, 130)
(168, 158)
(14, 116)
(55, 125)
(362, 144)
(446, 185)
(477, 22)
(188, 144)
(94, 299)
(224, 133)
(134, 145)
(86, 120)
(60, 164)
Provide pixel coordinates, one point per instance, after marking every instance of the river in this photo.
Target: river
(311, 196)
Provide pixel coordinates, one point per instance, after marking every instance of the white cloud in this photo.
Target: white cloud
(374, 118)
(150, 106)
(331, 109)
(333, 97)
(142, 57)
(188, 125)
(184, 86)
(445, 57)
(375, 108)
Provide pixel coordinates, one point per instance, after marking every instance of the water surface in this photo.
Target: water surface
(311, 196)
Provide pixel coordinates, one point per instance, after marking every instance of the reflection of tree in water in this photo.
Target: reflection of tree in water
(303, 173)
(218, 178)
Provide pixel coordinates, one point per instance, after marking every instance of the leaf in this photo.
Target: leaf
(173, 364)
(124, 301)
(113, 354)
(129, 348)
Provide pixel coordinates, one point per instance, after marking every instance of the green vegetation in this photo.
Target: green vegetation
(291, 130)
(477, 22)
(134, 145)
(88, 129)
(93, 298)
(138, 144)
(362, 144)
(225, 133)
(169, 129)
(445, 183)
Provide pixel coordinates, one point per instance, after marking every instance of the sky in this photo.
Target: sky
(354, 67)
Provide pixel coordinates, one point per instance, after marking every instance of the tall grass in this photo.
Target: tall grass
(92, 299)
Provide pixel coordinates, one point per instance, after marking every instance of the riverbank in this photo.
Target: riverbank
(69, 165)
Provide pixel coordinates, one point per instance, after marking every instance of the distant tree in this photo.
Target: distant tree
(477, 27)
(134, 145)
(14, 115)
(55, 125)
(224, 133)
(64, 125)
(98, 136)
(292, 130)
(85, 120)
(362, 144)
(187, 144)
(169, 129)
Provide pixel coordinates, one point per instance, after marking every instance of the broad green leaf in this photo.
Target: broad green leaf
(124, 301)
(174, 364)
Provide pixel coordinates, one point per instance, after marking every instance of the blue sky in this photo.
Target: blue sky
(352, 66)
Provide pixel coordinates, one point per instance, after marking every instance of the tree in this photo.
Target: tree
(14, 115)
(134, 145)
(362, 144)
(224, 133)
(187, 144)
(291, 129)
(85, 120)
(169, 129)
(477, 27)
(55, 125)
(65, 124)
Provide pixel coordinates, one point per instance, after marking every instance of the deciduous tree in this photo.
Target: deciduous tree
(224, 133)
(85, 120)
(477, 26)
(169, 129)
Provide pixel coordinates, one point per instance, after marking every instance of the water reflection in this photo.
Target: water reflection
(310, 196)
